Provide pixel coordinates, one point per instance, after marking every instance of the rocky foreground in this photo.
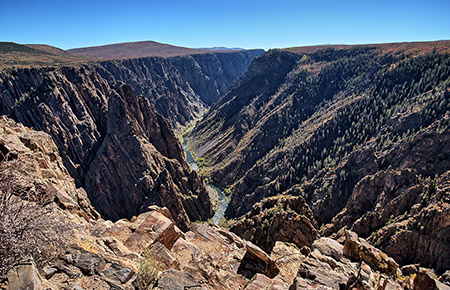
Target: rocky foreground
(150, 250)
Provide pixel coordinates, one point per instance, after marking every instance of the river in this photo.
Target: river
(222, 203)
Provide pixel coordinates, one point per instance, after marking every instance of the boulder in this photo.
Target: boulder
(329, 247)
(280, 218)
(155, 226)
(288, 259)
(359, 249)
(24, 277)
(162, 255)
(177, 280)
(424, 281)
(257, 261)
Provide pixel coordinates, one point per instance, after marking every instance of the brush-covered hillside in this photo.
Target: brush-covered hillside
(360, 133)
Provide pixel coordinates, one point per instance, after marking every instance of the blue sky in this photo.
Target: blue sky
(247, 24)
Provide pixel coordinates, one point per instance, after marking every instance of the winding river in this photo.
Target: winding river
(222, 203)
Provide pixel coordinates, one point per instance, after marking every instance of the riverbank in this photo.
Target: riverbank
(222, 203)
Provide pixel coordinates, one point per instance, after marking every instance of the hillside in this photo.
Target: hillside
(406, 47)
(52, 238)
(135, 50)
(336, 161)
(35, 55)
(345, 129)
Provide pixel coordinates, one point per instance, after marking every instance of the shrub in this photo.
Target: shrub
(28, 225)
(149, 270)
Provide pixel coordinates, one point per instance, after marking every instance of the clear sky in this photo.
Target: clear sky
(232, 23)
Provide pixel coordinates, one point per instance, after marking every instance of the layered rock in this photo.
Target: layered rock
(134, 131)
(210, 75)
(114, 144)
(160, 83)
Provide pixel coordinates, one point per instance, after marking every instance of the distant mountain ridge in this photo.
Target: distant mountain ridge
(222, 48)
(140, 49)
(408, 47)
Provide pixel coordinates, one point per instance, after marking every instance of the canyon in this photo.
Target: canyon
(335, 161)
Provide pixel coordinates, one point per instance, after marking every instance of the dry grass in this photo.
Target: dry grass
(408, 47)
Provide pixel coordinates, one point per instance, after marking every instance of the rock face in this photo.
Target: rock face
(424, 281)
(210, 75)
(115, 144)
(112, 142)
(359, 249)
(282, 218)
(135, 129)
(160, 83)
(366, 149)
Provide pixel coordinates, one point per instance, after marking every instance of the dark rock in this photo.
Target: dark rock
(210, 75)
(177, 280)
(89, 263)
(424, 281)
(118, 273)
(48, 271)
(257, 261)
(445, 278)
(408, 270)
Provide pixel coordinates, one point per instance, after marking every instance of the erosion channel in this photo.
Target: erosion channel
(222, 203)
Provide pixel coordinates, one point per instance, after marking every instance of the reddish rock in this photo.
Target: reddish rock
(155, 227)
(257, 261)
(360, 250)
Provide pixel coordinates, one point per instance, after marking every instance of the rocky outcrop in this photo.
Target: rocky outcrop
(153, 177)
(399, 209)
(24, 276)
(257, 261)
(280, 218)
(359, 249)
(329, 267)
(31, 159)
(112, 142)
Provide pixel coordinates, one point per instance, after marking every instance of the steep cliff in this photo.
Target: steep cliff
(210, 75)
(150, 250)
(156, 79)
(180, 88)
(346, 129)
(113, 143)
